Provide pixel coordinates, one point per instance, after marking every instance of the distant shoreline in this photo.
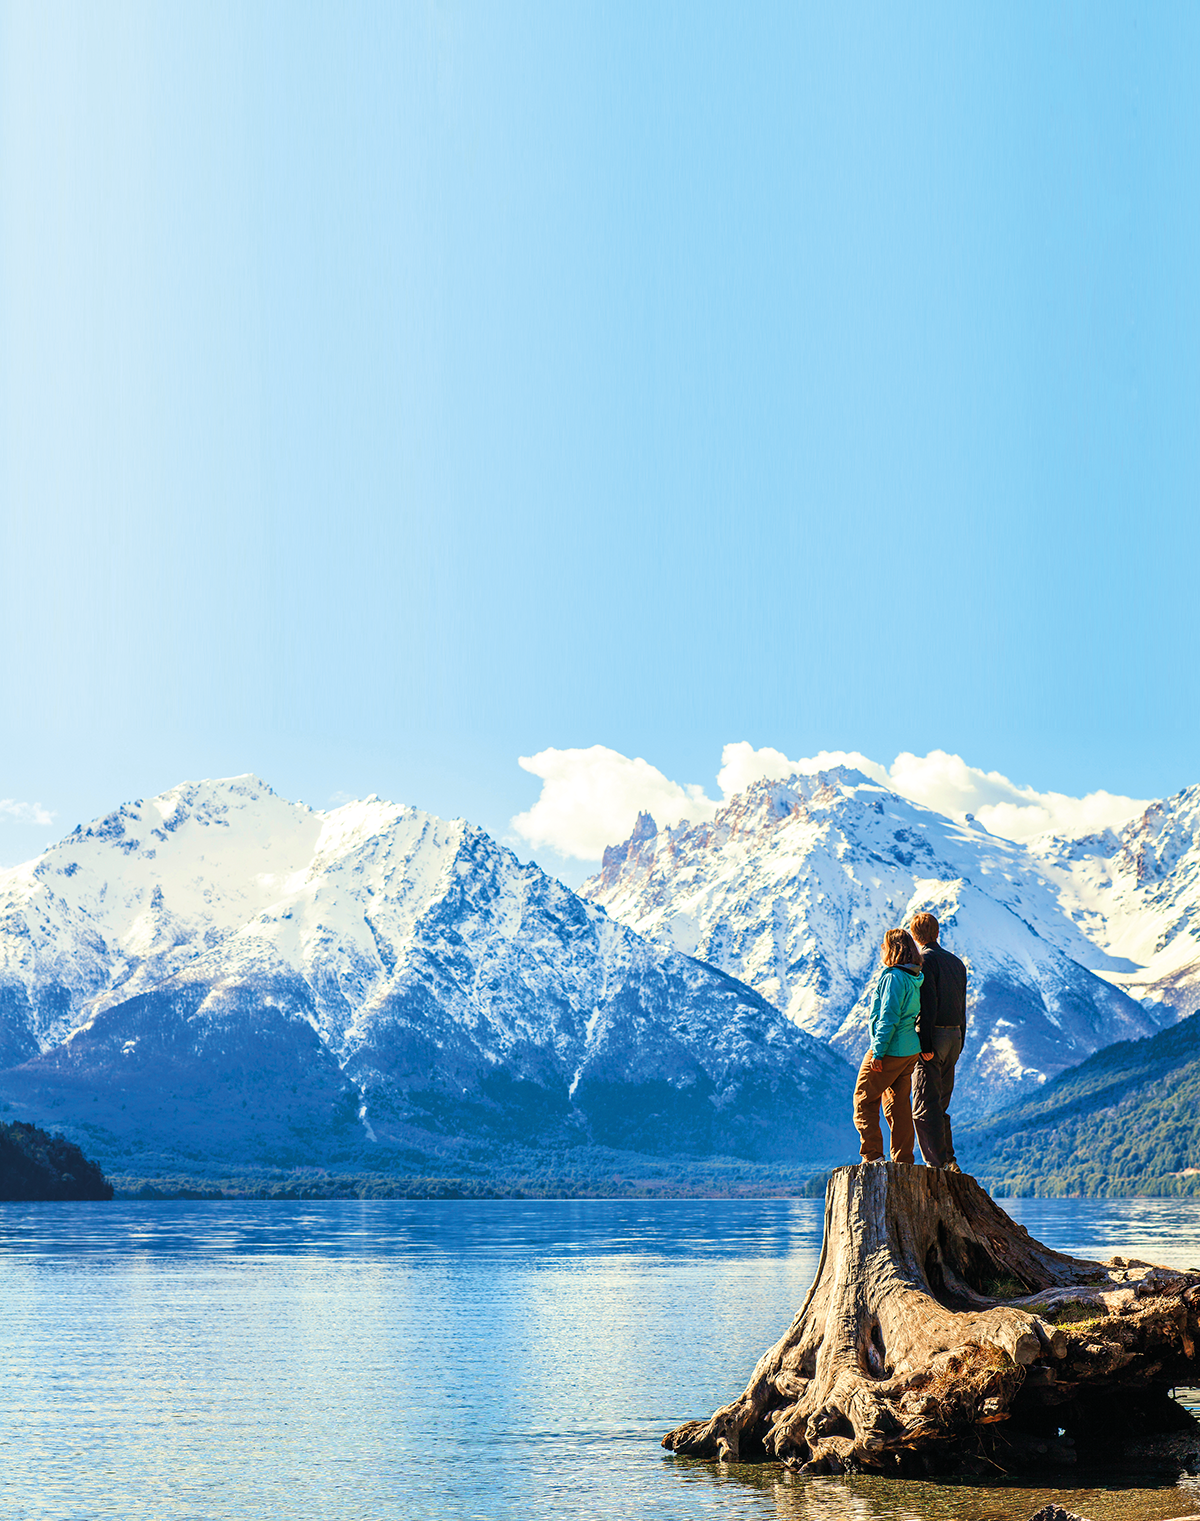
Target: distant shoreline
(344, 1186)
(128, 1187)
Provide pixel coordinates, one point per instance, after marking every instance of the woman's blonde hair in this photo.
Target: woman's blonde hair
(900, 949)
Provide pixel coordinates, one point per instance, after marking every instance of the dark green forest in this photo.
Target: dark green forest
(1126, 1121)
(36, 1165)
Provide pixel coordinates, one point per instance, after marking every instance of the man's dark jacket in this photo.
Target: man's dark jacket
(943, 994)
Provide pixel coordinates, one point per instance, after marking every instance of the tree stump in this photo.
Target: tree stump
(939, 1336)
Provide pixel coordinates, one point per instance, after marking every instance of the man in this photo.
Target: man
(941, 1028)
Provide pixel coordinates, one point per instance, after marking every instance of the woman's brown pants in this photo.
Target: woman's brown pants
(894, 1086)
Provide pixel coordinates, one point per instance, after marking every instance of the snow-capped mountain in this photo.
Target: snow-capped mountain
(791, 886)
(1136, 893)
(218, 968)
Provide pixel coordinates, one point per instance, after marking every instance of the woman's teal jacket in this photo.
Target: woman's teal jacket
(895, 1005)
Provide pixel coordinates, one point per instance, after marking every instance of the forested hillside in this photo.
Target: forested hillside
(36, 1165)
(1126, 1121)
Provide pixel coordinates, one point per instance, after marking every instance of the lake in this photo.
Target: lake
(453, 1359)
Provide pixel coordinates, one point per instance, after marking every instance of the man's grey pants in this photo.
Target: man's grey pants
(933, 1084)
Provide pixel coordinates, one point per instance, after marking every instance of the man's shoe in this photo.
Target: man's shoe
(952, 1167)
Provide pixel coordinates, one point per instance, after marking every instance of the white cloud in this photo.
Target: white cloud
(947, 783)
(24, 813)
(1055, 813)
(591, 798)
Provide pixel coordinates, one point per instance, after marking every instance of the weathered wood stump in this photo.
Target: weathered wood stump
(939, 1335)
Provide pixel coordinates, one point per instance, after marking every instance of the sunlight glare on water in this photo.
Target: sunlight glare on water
(454, 1359)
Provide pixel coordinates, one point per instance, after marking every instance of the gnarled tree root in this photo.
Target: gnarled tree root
(938, 1332)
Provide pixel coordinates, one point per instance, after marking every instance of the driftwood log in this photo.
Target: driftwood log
(939, 1336)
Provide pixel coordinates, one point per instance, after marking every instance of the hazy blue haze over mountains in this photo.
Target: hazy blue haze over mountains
(218, 975)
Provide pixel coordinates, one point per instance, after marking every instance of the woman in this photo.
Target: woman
(887, 1069)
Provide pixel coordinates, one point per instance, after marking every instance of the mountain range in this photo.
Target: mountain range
(791, 885)
(219, 975)
(1135, 893)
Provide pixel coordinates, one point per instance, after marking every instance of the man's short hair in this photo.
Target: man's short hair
(925, 929)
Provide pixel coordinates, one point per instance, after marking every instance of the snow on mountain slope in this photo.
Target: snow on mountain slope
(219, 967)
(790, 887)
(1136, 893)
(115, 908)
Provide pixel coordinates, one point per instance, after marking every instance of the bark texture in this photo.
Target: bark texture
(938, 1334)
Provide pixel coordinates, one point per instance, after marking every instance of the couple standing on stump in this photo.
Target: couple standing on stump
(917, 1024)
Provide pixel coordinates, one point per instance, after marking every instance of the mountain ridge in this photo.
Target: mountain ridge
(1125, 1121)
(371, 976)
(373, 980)
(791, 885)
(1135, 891)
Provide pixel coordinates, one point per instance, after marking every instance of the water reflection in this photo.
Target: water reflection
(1161, 1230)
(568, 1228)
(440, 1358)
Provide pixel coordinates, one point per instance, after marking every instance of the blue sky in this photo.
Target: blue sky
(390, 391)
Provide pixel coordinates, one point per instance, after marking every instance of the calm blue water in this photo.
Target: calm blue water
(449, 1359)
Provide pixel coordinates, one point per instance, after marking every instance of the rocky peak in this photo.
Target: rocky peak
(616, 857)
